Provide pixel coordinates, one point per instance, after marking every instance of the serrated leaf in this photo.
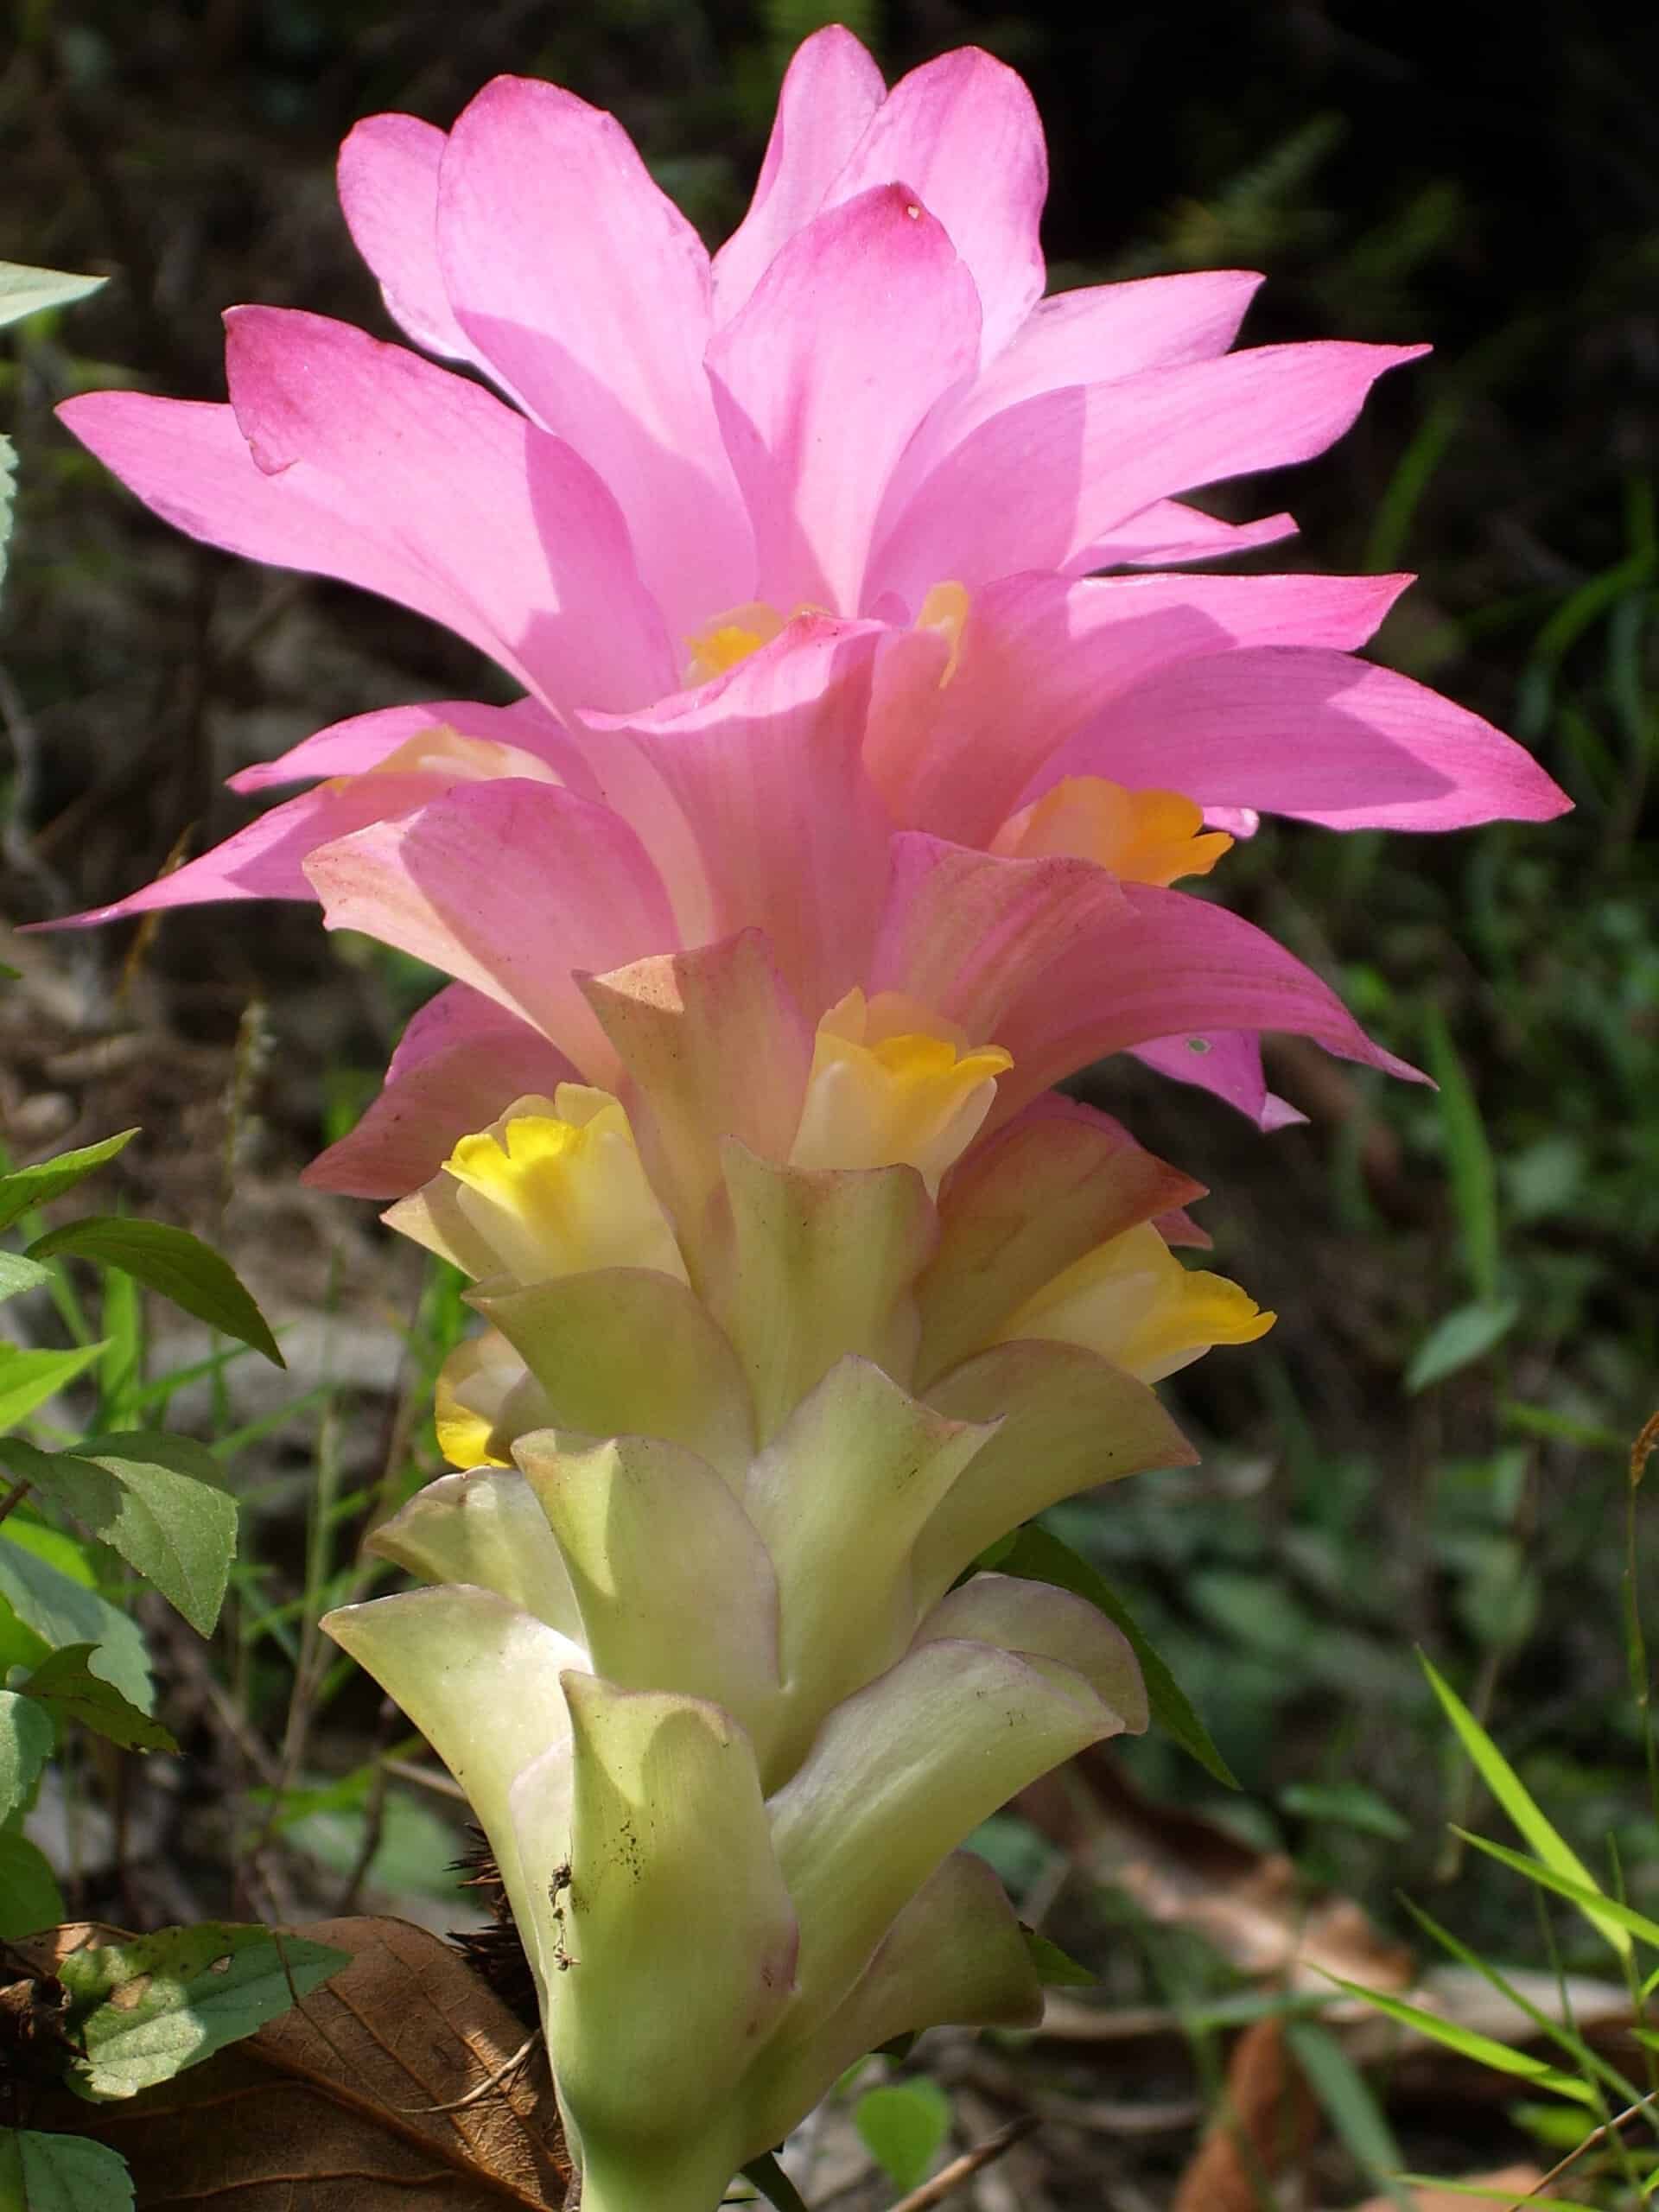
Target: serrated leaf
(24, 1187)
(153, 1498)
(30, 1897)
(26, 291)
(1483, 2049)
(902, 2126)
(65, 1685)
(60, 2173)
(61, 1611)
(1054, 1968)
(402, 2080)
(1036, 1554)
(151, 2006)
(1461, 1337)
(17, 1273)
(26, 1741)
(27, 1379)
(170, 1260)
(1507, 1788)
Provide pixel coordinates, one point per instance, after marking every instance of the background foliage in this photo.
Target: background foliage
(1430, 1448)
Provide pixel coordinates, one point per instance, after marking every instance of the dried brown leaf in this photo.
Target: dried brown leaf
(1517, 2180)
(332, 2106)
(1268, 2122)
(1185, 1871)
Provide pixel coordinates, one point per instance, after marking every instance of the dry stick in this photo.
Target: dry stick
(964, 2168)
(1604, 2133)
(491, 2082)
(13, 1498)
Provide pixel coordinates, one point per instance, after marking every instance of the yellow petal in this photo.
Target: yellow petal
(883, 1094)
(1131, 1301)
(1142, 837)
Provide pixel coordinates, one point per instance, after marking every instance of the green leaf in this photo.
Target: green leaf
(1036, 1554)
(1505, 1785)
(60, 2173)
(1054, 1968)
(27, 1379)
(170, 1260)
(29, 1897)
(26, 291)
(1483, 2049)
(901, 2127)
(1354, 2115)
(1595, 1904)
(17, 1274)
(1349, 1804)
(62, 1610)
(26, 1741)
(1466, 1334)
(775, 2184)
(151, 2006)
(1468, 1158)
(66, 1686)
(153, 1498)
(32, 1187)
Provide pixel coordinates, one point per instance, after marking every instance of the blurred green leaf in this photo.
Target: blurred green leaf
(24, 1187)
(170, 1260)
(153, 1498)
(26, 291)
(27, 1379)
(1037, 1555)
(30, 1897)
(60, 2173)
(1463, 1336)
(902, 2126)
(1351, 1804)
(26, 1741)
(1354, 2115)
(17, 1274)
(147, 2007)
(65, 1685)
(1468, 1158)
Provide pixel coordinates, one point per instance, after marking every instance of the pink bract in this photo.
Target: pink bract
(861, 397)
(744, 813)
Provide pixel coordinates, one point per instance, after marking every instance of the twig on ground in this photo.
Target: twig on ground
(491, 2082)
(950, 2177)
(1604, 2133)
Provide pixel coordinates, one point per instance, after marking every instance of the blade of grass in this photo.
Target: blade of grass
(1500, 2056)
(1506, 1786)
(1594, 2068)
(1595, 1904)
